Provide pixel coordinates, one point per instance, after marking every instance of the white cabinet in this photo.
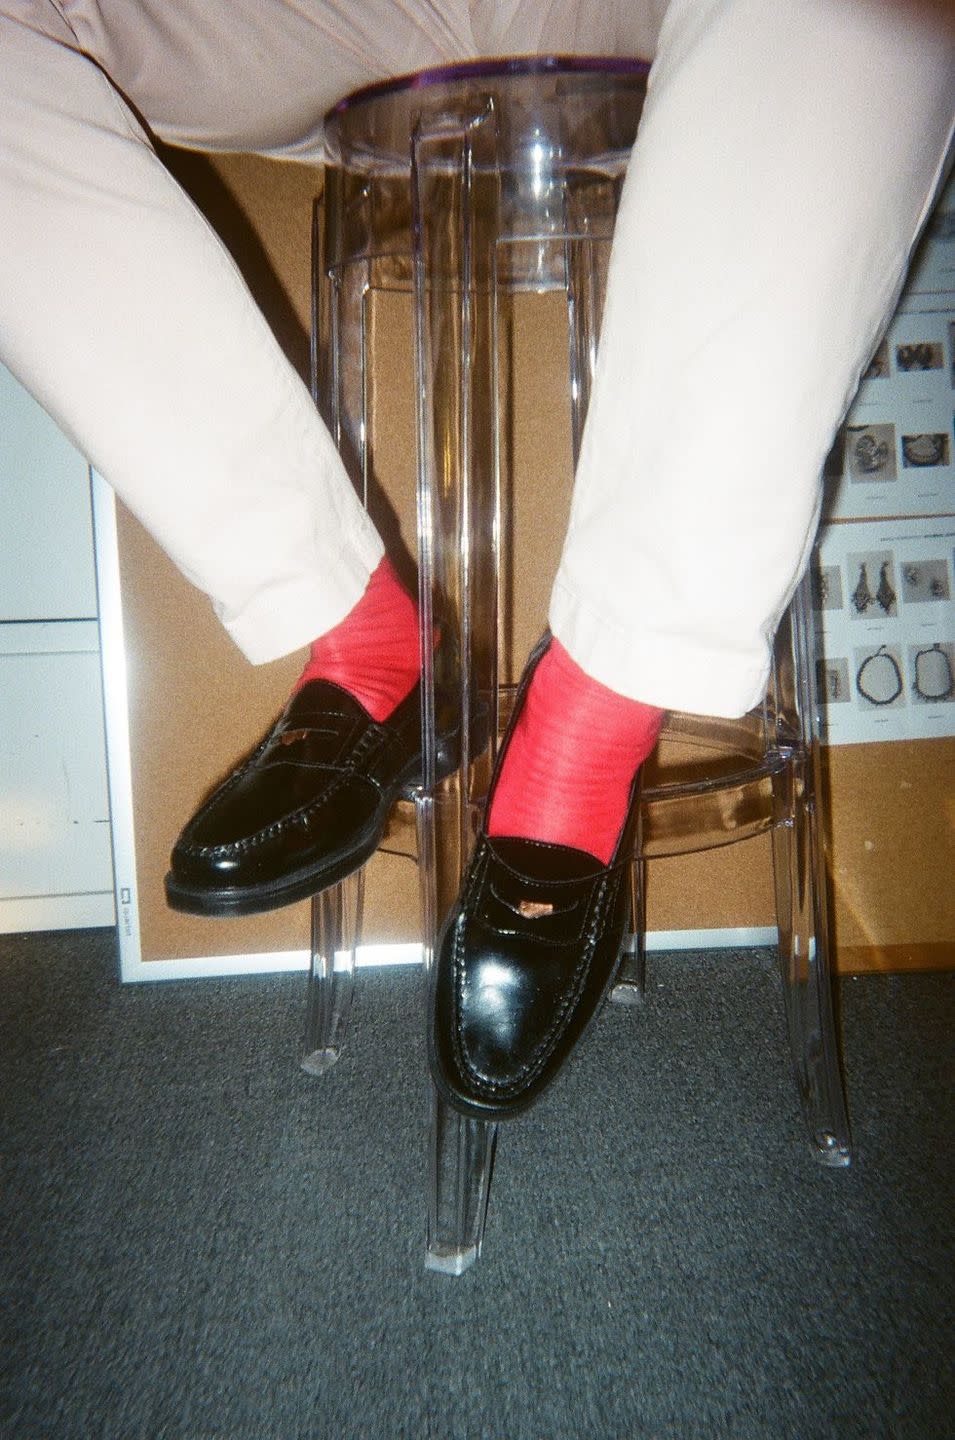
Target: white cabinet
(55, 857)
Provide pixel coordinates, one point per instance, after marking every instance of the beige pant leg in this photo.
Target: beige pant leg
(787, 158)
(122, 312)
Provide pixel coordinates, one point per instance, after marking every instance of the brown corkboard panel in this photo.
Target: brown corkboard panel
(890, 815)
(195, 705)
(730, 887)
(892, 853)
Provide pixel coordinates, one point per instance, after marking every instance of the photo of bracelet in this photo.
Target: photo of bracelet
(932, 670)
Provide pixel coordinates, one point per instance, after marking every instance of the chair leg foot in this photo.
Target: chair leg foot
(630, 986)
(830, 1150)
(336, 932)
(629, 989)
(452, 1261)
(461, 1161)
(318, 1062)
(804, 967)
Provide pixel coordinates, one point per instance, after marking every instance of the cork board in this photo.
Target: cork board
(195, 708)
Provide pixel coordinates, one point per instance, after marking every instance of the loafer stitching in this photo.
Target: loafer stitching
(363, 752)
(276, 828)
(305, 813)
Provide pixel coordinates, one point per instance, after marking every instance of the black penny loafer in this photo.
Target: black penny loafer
(525, 961)
(306, 808)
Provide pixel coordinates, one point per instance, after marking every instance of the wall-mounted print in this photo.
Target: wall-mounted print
(889, 649)
(919, 355)
(932, 673)
(870, 452)
(924, 450)
(925, 581)
(899, 426)
(872, 585)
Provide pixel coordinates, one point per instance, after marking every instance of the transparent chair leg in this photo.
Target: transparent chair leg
(455, 193)
(462, 1158)
(336, 933)
(630, 986)
(804, 965)
(460, 1150)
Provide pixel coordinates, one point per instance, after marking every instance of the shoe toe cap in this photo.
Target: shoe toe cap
(520, 971)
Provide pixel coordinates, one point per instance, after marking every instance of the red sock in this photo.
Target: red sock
(374, 653)
(571, 760)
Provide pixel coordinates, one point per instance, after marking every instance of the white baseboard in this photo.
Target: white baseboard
(372, 957)
(23, 913)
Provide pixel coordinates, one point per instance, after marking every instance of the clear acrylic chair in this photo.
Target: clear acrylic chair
(464, 189)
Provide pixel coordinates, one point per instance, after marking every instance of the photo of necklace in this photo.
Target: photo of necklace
(879, 678)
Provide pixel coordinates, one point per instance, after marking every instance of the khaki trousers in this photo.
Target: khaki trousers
(787, 158)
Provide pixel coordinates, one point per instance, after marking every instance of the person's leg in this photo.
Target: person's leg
(123, 313)
(786, 160)
(787, 157)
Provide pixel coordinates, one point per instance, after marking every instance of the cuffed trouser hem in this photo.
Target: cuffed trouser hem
(291, 612)
(671, 671)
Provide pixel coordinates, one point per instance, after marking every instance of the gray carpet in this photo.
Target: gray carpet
(199, 1242)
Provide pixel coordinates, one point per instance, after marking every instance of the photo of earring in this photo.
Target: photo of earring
(919, 355)
(827, 587)
(862, 596)
(924, 581)
(833, 680)
(878, 367)
(885, 594)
